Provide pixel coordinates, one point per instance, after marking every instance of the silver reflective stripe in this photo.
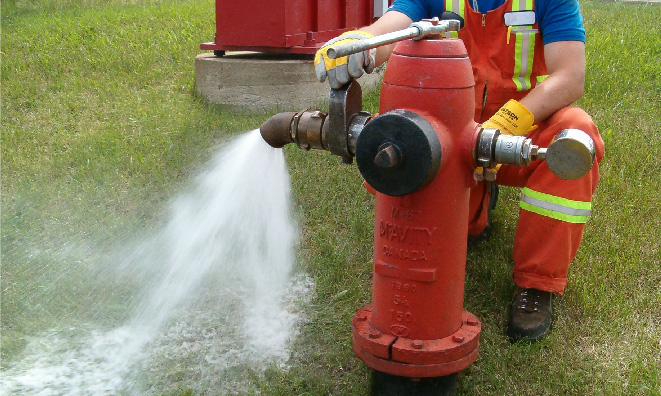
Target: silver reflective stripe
(554, 207)
(523, 76)
(523, 5)
(524, 47)
(456, 6)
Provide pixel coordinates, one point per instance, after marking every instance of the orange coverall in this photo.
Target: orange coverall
(553, 211)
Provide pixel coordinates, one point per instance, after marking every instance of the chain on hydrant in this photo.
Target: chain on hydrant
(420, 155)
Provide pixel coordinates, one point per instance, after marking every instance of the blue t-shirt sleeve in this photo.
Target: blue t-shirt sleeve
(560, 20)
(417, 9)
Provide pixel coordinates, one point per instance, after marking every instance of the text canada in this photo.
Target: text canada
(404, 254)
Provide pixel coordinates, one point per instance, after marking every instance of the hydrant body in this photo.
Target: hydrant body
(416, 325)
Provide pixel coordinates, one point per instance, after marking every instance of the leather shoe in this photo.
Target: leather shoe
(531, 315)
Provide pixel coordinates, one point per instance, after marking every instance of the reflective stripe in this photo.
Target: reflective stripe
(524, 53)
(541, 78)
(555, 207)
(524, 50)
(522, 5)
(458, 7)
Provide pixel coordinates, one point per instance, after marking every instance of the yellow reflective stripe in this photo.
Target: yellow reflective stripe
(541, 78)
(524, 50)
(456, 6)
(522, 5)
(555, 207)
(518, 49)
(570, 203)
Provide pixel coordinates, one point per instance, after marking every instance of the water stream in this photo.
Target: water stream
(219, 295)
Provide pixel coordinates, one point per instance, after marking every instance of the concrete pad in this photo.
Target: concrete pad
(257, 82)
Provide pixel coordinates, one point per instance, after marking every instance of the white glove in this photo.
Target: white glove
(339, 71)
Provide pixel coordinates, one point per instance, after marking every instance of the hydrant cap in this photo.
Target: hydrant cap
(398, 152)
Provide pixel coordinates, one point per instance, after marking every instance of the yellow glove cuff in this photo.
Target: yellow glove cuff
(346, 37)
(361, 32)
(512, 119)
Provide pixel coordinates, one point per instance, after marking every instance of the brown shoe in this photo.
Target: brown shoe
(531, 315)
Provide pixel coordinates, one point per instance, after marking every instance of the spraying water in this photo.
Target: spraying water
(222, 293)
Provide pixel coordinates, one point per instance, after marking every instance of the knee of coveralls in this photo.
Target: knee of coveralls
(478, 208)
(545, 246)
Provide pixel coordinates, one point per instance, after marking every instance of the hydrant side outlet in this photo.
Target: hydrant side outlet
(398, 153)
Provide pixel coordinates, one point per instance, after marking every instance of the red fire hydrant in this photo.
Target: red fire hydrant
(419, 155)
(416, 325)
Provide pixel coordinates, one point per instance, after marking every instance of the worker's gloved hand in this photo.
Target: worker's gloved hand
(511, 119)
(339, 71)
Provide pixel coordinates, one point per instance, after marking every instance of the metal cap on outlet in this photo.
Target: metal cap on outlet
(398, 152)
(571, 154)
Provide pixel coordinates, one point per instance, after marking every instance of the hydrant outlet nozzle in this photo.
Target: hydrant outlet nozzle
(569, 156)
(276, 130)
(305, 129)
(336, 130)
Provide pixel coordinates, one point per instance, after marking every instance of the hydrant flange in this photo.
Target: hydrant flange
(411, 357)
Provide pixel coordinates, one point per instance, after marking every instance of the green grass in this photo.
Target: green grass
(101, 125)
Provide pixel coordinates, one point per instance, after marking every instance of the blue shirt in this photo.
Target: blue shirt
(559, 20)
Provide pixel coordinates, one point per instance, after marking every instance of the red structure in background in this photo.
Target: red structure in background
(287, 26)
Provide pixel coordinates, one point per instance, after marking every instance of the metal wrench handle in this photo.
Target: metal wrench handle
(416, 31)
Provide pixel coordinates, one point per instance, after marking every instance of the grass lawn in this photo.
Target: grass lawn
(101, 126)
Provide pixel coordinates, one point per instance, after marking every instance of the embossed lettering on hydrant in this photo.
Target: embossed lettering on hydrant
(405, 234)
(404, 254)
(404, 214)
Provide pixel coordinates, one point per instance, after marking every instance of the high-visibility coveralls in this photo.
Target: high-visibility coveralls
(508, 60)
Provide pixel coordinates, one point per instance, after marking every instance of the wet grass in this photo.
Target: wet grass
(101, 125)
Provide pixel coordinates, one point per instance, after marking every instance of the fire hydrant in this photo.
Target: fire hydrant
(420, 155)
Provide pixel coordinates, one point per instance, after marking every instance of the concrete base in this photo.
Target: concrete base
(258, 82)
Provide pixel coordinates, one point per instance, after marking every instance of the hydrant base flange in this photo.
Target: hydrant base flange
(407, 357)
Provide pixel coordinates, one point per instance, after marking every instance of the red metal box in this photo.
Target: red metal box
(287, 26)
